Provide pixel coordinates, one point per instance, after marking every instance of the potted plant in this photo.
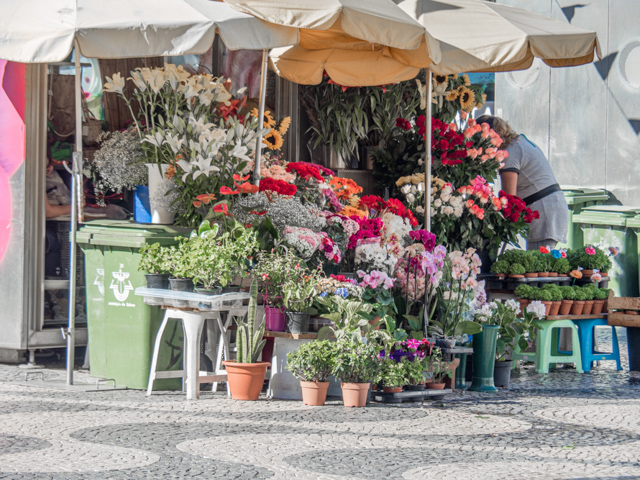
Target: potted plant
(605, 306)
(545, 297)
(273, 269)
(531, 264)
(580, 296)
(312, 363)
(356, 364)
(512, 331)
(500, 268)
(525, 294)
(154, 260)
(516, 270)
(568, 295)
(299, 293)
(556, 298)
(439, 370)
(599, 297)
(544, 262)
(590, 291)
(561, 266)
(392, 373)
(246, 374)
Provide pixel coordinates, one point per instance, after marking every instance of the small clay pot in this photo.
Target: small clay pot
(355, 394)
(553, 274)
(543, 274)
(555, 308)
(576, 308)
(547, 308)
(531, 274)
(314, 393)
(588, 305)
(565, 307)
(391, 389)
(511, 275)
(499, 275)
(586, 273)
(435, 386)
(597, 307)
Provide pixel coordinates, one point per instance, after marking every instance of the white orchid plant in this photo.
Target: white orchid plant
(189, 122)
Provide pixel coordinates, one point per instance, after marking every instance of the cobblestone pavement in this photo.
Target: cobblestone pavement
(562, 425)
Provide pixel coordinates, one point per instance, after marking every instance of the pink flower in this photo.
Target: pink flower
(413, 343)
(590, 250)
(596, 277)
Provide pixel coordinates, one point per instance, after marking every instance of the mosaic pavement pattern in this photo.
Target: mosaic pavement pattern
(562, 425)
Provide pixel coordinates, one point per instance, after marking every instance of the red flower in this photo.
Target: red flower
(278, 186)
(372, 202)
(305, 170)
(238, 178)
(403, 123)
(247, 187)
(260, 214)
(227, 191)
(222, 208)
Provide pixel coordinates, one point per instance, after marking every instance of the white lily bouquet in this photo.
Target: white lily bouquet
(190, 123)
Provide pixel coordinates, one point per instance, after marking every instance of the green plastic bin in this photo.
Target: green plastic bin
(122, 328)
(577, 199)
(615, 226)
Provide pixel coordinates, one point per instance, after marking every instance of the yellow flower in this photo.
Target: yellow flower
(466, 79)
(354, 201)
(267, 121)
(284, 125)
(417, 178)
(276, 143)
(453, 94)
(467, 98)
(440, 79)
(350, 212)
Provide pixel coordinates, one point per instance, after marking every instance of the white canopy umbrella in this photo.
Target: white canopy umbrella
(45, 31)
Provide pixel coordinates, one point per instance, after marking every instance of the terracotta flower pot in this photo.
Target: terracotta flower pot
(499, 275)
(511, 275)
(555, 308)
(354, 394)
(435, 386)
(531, 274)
(245, 379)
(392, 389)
(565, 307)
(586, 273)
(597, 307)
(576, 308)
(588, 306)
(523, 304)
(547, 308)
(604, 274)
(314, 393)
(373, 322)
(553, 274)
(543, 274)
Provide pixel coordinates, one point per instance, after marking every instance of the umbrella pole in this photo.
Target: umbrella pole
(76, 209)
(427, 177)
(263, 95)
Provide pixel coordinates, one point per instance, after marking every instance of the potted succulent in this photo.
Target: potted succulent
(516, 270)
(580, 296)
(568, 295)
(154, 260)
(556, 298)
(356, 364)
(273, 269)
(312, 363)
(500, 268)
(599, 297)
(246, 374)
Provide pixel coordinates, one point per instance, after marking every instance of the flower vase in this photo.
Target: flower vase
(484, 358)
(158, 186)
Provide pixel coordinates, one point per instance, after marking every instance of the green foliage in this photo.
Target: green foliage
(579, 294)
(561, 266)
(589, 291)
(249, 339)
(510, 328)
(355, 361)
(525, 291)
(299, 289)
(554, 290)
(500, 267)
(312, 361)
(568, 293)
(516, 269)
(437, 366)
(392, 373)
(530, 262)
(601, 294)
(545, 261)
(274, 269)
(350, 321)
(154, 259)
(512, 255)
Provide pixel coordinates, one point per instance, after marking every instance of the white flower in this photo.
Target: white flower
(156, 80)
(420, 209)
(513, 305)
(456, 201)
(457, 212)
(200, 166)
(445, 197)
(138, 79)
(447, 190)
(536, 308)
(411, 198)
(437, 203)
(239, 152)
(447, 210)
(114, 84)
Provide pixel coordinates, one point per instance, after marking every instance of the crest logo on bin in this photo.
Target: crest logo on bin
(99, 281)
(120, 284)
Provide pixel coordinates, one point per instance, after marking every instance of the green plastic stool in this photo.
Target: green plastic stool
(517, 354)
(547, 347)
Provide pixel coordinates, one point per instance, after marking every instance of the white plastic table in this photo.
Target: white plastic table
(192, 309)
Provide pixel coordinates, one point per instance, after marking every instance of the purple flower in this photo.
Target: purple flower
(427, 238)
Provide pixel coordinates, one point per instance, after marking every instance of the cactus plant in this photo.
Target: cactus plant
(249, 338)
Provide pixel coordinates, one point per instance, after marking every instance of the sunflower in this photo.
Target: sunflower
(466, 79)
(276, 143)
(284, 125)
(440, 79)
(467, 98)
(267, 120)
(453, 94)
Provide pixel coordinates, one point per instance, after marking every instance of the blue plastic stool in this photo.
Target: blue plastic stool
(586, 333)
(547, 353)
